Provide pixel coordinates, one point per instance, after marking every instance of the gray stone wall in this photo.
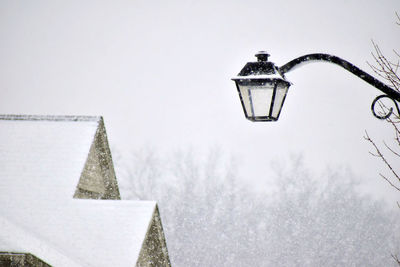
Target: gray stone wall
(9, 259)
(98, 179)
(154, 249)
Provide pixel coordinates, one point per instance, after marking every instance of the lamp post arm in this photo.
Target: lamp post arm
(344, 64)
(388, 91)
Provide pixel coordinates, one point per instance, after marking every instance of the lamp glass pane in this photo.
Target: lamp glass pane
(244, 92)
(257, 99)
(281, 91)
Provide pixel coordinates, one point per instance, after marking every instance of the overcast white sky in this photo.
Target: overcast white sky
(159, 72)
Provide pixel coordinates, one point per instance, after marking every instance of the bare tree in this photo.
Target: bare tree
(389, 71)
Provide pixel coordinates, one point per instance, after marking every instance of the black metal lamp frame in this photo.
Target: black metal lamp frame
(265, 67)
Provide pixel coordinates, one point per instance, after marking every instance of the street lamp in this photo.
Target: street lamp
(262, 86)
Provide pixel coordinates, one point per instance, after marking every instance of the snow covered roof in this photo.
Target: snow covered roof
(67, 155)
(47, 165)
(77, 232)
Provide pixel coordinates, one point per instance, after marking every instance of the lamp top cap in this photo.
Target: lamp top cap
(262, 56)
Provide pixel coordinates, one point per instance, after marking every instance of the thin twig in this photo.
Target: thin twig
(388, 180)
(379, 153)
(390, 149)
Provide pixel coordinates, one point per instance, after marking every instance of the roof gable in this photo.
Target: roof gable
(78, 232)
(67, 155)
(47, 165)
(154, 249)
(98, 179)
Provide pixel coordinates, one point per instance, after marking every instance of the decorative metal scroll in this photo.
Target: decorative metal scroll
(389, 92)
(389, 112)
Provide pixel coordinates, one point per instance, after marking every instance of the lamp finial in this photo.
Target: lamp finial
(262, 56)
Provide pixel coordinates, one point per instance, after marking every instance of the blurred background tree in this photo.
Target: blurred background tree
(211, 219)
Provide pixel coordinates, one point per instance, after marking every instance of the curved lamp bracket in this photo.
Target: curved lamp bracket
(389, 112)
(388, 91)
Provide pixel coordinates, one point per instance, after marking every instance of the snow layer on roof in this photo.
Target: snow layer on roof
(77, 232)
(48, 117)
(43, 157)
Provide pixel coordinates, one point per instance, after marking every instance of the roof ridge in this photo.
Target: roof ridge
(23, 117)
